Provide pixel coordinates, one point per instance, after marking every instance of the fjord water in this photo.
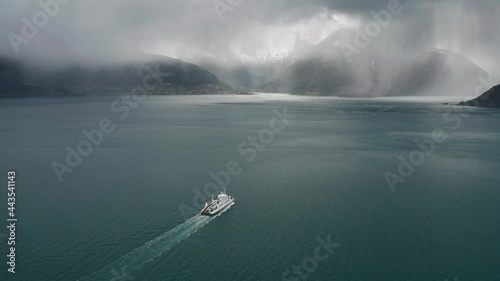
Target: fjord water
(117, 216)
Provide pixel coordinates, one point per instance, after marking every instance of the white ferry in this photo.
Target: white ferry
(222, 202)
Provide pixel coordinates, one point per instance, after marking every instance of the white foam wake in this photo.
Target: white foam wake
(122, 268)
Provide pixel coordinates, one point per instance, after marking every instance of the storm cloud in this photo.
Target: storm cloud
(95, 31)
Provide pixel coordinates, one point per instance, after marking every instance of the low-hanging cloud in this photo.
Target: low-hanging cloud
(94, 31)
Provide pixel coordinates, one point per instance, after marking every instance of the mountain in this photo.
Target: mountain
(328, 69)
(280, 60)
(220, 59)
(244, 73)
(177, 77)
(489, 99)
(240, 76)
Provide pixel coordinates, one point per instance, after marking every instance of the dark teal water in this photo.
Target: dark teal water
(117, 217)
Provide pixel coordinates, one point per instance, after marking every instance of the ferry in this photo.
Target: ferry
(222, 202)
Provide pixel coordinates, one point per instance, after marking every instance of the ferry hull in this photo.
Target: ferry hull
(210, 213)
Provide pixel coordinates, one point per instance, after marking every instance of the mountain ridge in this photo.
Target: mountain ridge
(327, 70)
(19, 79)
(490, 98)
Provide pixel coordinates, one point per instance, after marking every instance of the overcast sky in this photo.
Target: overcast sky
(96, 30)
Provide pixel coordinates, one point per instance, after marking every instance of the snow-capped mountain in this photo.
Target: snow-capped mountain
(326, 69)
